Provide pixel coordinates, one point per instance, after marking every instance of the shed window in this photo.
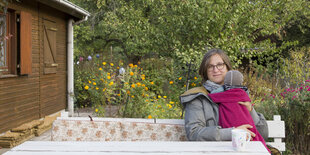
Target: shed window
(15, 41)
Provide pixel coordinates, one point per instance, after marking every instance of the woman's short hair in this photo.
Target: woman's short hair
(203, 69)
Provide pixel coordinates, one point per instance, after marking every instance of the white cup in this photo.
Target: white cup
(239, 139)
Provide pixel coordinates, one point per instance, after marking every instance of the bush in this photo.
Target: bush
(136, 92)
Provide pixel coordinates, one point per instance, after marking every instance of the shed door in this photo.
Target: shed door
(50, 52)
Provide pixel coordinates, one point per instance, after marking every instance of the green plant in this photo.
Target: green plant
(293, 104)
(295, 111)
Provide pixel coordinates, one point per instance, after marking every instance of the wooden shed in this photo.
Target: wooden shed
(36, 59)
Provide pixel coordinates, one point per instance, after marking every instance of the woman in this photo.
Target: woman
(201, 114)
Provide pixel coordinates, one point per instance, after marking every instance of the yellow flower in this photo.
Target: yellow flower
(165, 96)
(96, 110)
(146, 88)
(111, 64)
(108, 74)
(132, 96)
(97, 88)
(101, 79)
(104, 63)
(111, 83)
(151, 83)
(94, 83)
(128, 92)
(117, 67)
(159, 96)
(109, 77)
(146, 100)
(118, 94)
(131, 73)
(195, 78)
(171, 82)
(104, 89)
(147, 95)
(193, 84)
(143, 75)
(143, 78)
(169, 106)
(100, 69)
(149, 117)
(171, 102)
(139, 62)
(143, 85)
(86, 87)
(126, 83)
(138, 84)
(136, 66)
(133, 85)
(180, 78)
(89, 81)
(94, 80)
(131, 65)
(184, 85)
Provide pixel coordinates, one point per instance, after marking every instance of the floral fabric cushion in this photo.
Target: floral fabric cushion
(82, 130)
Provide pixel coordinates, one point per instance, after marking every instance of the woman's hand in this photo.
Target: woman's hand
(246, 127)
(247, 104)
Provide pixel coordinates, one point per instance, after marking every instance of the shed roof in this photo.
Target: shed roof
(67, 7)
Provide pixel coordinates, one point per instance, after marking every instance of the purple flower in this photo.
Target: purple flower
(293, 97)
(97, 55)
(308, 89)
(262, 99)
(89, 58)
(307, 81)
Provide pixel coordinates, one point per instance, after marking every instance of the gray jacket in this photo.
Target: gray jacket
(201, 118)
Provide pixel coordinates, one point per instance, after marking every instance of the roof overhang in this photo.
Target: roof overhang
(67, 7)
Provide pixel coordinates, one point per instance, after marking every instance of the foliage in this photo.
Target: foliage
(136, 92)
(294, 107)
(292, 103)
(184, 30)
(296, 68)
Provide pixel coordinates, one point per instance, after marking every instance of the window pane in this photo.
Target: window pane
(3, 62)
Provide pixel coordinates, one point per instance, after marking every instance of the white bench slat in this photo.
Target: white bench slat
(276, 129)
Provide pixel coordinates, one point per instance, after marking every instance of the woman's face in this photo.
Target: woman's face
(217, 69)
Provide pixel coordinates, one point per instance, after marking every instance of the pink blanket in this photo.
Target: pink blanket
(233, 114)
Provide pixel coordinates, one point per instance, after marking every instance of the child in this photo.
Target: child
(231, 113)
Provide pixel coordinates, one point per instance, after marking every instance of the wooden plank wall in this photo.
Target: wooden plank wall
(25, 98)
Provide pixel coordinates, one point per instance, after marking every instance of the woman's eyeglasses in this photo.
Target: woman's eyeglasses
(219, 66)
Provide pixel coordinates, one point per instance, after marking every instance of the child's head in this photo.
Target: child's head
(233, 77)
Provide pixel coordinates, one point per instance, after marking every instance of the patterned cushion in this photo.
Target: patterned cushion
(84, 130)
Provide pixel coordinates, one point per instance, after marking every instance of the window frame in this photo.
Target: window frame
(10, 43)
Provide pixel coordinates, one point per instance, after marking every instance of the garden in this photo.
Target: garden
(139, 56)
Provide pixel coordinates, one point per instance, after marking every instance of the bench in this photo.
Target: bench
(135, 129)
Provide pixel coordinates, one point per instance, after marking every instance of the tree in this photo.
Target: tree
(184, 30)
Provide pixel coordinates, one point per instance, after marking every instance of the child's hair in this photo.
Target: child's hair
(233, 77)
